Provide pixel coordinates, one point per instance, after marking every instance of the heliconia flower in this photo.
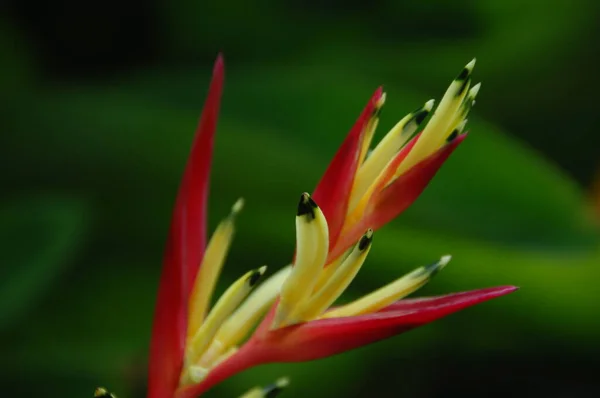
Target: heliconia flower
(195, 347)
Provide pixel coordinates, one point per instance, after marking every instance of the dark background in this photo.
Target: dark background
(97, 109)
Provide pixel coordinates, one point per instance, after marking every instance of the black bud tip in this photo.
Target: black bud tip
(366, 240)
(463, 74)
(376, 111)
(420, 116)
(254, 278)
(463, 87)
(452, 136)
(272, 391)
(432, 269)
(306, 206)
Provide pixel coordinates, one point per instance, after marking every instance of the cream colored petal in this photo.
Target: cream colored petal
(329, 270)
(441, 123)
(390, 293)
(241, 322)
(226, 304)
(312, 245)
(383, 153)
(339, 281)
(211, 266)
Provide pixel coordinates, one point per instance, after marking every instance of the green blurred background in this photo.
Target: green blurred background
(99, 102)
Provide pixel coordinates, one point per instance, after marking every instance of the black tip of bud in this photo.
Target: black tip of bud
(272, 391)
(433, 269)
(452, 136)
(463, 74)
(365, 240)
(306, 206)
(420, 116)
(465, 84)
(377, 112)
(254, 278)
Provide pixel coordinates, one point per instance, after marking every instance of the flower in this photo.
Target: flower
(194, 347)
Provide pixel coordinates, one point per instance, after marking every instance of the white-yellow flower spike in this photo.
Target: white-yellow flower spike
(241, 322)
(466, 106)
(390, 293)
(441, 124)
(383, 153)
(226, 304)
(312, 246)
(270, 391)
(210, 268)
(339, 281)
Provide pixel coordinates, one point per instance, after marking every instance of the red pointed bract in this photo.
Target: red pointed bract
(184, 251)
(326, 337)
(333, 191)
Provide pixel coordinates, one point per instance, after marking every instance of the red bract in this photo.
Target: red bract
(184, 251)
(193, 349)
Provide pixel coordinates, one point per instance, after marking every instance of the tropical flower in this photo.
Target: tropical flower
(194, 347)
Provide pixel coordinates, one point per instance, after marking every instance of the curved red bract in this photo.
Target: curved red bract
(326, 337)
(184, 251)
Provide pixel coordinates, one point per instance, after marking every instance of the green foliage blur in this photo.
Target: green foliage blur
(98, 106)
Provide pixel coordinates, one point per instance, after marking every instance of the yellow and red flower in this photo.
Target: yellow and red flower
(195, 347)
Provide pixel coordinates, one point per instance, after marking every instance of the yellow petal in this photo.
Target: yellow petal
(440, 125)
(383, 153)
(460, 118)
(338, 282)
(227, 303)
(329, 270)
(211, 266)
(312, 245)
(390, 293)
(241, 322)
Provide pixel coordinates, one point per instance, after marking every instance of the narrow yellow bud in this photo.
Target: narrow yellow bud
(459, 122)
(210, 268)
(383, 153)
(240, 323)
(312, 245)
(329, 270)
(339, 281)
(390, 293)
(441, 123)
(227, 303)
